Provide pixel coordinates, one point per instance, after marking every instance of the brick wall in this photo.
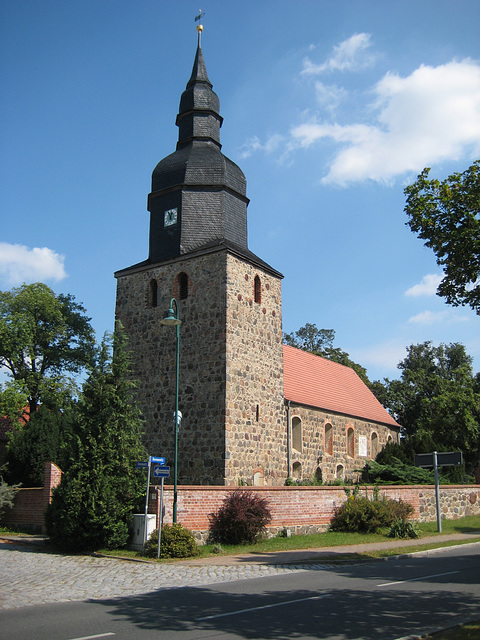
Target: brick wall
(30, 504)
(310, 509)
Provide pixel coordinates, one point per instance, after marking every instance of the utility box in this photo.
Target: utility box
(138, 524)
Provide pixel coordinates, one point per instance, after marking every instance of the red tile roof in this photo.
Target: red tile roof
(317, 382)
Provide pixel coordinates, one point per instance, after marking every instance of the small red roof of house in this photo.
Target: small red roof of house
(318, 382)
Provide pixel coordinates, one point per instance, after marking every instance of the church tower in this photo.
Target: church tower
(229, 302)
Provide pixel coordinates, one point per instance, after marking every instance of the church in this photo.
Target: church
(253, 411)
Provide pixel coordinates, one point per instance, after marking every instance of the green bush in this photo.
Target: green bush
(402, 529)
(7, 494)
(242, 517)
(176, 542)
(360, 514)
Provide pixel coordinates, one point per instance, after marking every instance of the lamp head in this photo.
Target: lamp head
(171, 319)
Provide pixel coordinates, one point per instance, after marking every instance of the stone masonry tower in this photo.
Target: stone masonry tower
(229, 302)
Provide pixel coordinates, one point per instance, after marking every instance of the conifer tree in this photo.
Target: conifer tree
(101, 488)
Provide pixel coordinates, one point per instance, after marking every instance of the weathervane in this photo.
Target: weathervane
(199, 25)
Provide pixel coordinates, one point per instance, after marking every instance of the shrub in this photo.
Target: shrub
(7, 494)
(367, 516)
(242, 517)
(176, 542)
(402, 529)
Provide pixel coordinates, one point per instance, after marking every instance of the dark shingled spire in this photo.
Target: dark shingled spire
(207, 190)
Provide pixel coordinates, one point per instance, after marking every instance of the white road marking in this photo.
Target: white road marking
(267, 606)
(436, 575)
(99, 635)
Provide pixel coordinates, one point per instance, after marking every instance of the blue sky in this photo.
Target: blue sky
(330, 109)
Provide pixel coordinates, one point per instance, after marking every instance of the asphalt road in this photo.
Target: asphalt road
(384, 600)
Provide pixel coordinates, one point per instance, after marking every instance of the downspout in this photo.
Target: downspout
(288, 439)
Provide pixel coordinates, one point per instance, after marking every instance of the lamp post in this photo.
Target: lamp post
(172, 319)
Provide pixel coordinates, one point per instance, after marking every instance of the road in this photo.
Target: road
(382, 600)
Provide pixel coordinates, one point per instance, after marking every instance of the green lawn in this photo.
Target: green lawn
(332, 539)
(469, 631)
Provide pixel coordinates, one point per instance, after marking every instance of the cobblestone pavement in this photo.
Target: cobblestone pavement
(29, 577)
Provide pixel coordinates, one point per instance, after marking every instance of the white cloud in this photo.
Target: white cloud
(19, 264)
(429, 318)
(252, 145)
(427, 287)
(384, 356)
(329, 95)
(429, 116)
(349, 55)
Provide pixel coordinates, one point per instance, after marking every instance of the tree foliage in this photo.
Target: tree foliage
(43, 337)
(437, 401)
(447, 216)
(42, 439)
(320, 343)
(7, 493)
(100, 487)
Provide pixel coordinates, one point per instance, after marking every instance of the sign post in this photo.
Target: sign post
(435, 460)
(162, 472)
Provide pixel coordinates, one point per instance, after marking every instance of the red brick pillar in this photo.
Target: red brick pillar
(51, 479)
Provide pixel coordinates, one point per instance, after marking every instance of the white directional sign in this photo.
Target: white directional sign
(159, 471)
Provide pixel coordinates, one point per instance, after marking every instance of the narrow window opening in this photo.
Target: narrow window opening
(374, 445)
(257, 413)
(153, 294)
(258, 478)
(297, 470)
(350, 443)
(297, 434)
(339, 472)
(329, 439)
(183, 286)
(257, 289)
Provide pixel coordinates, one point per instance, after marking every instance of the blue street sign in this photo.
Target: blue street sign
(161, 472)
(142, 465)
(157, 460)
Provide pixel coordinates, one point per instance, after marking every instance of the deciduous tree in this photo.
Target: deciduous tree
(43, 339)
(447, 216)
(437, 401)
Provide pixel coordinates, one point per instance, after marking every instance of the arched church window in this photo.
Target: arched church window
(350, 442)
(329, 439)
(374, 445)
(182, 286)
(297, 471)
(258, 478)
(339, 473)
(153, 293)
(257, 290)
(297, 434)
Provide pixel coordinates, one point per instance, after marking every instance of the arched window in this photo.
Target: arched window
(329, 439)
(182, 286)
(350, 442)
(297, 434)
(153, 293)
(339, 472)
(258, 478)
(374, 445)
(257, 290)
(297, 470)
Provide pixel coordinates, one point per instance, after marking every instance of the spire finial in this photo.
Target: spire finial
(199, 25)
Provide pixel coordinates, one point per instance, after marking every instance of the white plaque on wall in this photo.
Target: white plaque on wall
(362, 446)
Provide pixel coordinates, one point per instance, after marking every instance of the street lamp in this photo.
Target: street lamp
(172, 320)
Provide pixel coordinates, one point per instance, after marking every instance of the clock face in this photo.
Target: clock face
(170, 217)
